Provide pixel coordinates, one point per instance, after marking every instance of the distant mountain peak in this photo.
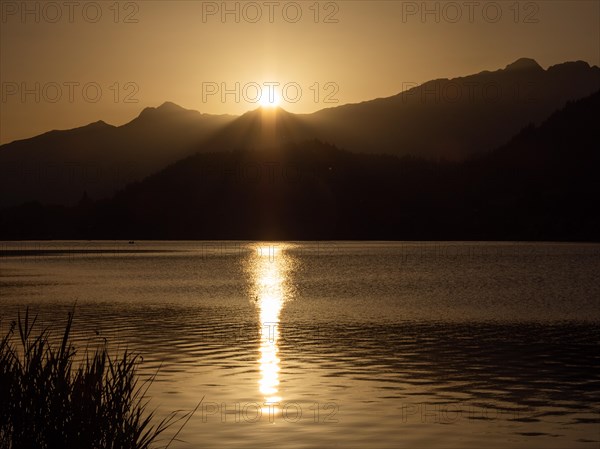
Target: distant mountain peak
(262, 111)
(271, 110)
(167, 108)
(100, 124)
(147, 111)
(523, 64)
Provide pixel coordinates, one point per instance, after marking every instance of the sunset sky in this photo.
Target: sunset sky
(173, 51)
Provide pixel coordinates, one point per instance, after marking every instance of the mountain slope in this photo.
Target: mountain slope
(458, 117)
(441, 119)
(448, 119)
(58, 166)
(542, 185)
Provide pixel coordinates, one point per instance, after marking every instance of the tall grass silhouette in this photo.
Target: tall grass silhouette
(50, 399)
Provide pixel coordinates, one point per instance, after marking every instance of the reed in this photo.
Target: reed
(49, 399)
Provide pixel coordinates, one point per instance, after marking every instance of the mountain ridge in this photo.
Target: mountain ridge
(424, 121)
(538, 186)
(524, 64)
(172, 107)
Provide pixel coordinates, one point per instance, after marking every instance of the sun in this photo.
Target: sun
(269, 99)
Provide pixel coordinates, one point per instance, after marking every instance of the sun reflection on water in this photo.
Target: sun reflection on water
(270, 267)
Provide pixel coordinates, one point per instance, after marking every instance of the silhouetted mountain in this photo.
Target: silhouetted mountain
(441, 119)
(454, 118)
(449, 119)
(524, 64)
(542, 185)
(56, 167)
(262, 128)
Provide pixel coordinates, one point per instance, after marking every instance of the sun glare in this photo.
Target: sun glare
(269, 99)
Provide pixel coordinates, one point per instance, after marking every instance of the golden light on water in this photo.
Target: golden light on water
(270, 267)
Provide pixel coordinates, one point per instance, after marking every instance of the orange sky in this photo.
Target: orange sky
(145, 53)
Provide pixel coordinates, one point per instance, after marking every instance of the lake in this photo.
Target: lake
(338, 344)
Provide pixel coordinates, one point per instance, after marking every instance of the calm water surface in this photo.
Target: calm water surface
(350, 345)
